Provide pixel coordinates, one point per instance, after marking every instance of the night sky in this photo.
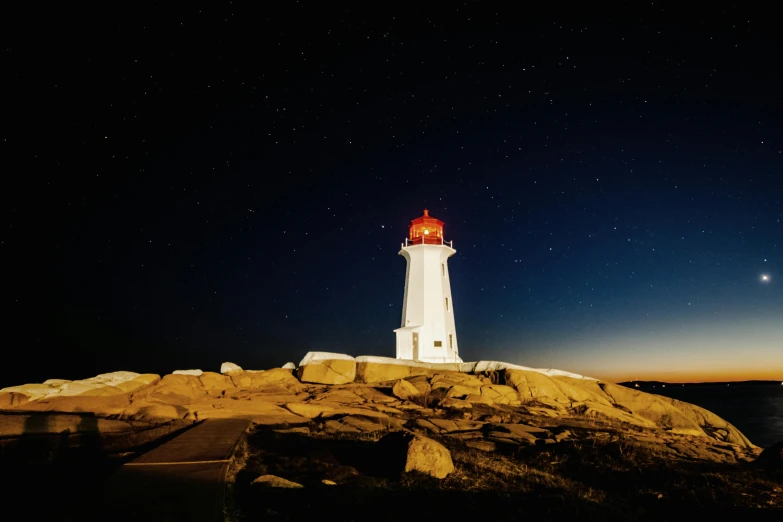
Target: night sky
(183, 188)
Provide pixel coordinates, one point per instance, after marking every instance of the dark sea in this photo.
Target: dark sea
(757, 411)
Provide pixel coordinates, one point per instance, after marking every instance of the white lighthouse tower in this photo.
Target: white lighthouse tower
(427, 332)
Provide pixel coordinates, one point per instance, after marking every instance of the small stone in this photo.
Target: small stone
(273, 481)
(481, 445)
(329, 482)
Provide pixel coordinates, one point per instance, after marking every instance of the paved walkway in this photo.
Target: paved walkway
(183, 479)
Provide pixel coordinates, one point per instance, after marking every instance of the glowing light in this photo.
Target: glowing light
(765, 278)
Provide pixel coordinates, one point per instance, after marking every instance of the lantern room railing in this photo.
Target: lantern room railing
(427, 240)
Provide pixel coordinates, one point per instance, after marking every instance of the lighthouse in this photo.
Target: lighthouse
(427, 333)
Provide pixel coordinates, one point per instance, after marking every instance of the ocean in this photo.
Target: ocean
(757, 411)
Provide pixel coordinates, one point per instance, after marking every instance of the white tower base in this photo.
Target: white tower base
(428, 332)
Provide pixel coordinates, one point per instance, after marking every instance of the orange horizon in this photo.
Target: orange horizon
(695, 377)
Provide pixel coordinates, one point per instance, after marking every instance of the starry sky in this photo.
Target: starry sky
(206, 184)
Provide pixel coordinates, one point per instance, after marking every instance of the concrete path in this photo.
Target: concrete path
(183, 479)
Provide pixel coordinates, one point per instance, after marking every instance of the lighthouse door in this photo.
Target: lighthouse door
(415, 346)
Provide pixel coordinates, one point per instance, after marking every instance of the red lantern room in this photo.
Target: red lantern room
(426, 230)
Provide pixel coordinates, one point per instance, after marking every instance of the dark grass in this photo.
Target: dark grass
(598, 480)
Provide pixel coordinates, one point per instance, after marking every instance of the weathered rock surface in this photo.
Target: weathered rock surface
(380, 369)
(153, 413)
(594, 398)
(215, 383)
(139, 382)
(289, 366)
(309, 410)
(500, 394)
(461, 391)
(10, 400)
(327, 368)
(499, 407)
(249, 380)
(459, 404)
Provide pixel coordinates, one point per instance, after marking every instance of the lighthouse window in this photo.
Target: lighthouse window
(443, 269)
(447, 304)
(438, 344)
(451, 341)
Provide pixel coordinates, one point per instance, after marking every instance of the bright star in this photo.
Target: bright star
(765, 278)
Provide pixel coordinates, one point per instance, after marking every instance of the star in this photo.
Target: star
(765, 278)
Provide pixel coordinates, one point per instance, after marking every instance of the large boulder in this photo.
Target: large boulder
(327, 368)
(371, 369)
(229, 367)
(87, 388)
(215, 383)
(106, 384)
(405, 391)
(176, 389)
(277, 376)
(195, 373)
(406, 451)
(534, 385)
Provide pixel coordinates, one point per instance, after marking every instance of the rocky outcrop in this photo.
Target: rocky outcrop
(106, 384)
(400, 394)
(327, 368)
